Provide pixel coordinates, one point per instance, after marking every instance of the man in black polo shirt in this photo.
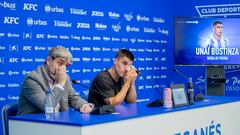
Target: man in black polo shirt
(115, 84)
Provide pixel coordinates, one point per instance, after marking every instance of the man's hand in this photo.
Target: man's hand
(61, 75)
(86, 108)
(130, 76)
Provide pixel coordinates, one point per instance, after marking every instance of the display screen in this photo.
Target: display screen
(206, 41)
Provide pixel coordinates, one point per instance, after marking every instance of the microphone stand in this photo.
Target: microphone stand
(155, 103)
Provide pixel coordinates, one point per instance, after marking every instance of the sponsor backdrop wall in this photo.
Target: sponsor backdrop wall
(93, 31)
(211, 9)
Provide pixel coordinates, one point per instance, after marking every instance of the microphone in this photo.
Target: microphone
(199, 96)
(180, 73)
(105, 109)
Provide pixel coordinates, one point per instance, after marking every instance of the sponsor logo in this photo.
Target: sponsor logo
(96, 70)
(116, 27)
(62, 24)
(115, 49)
(133, 40)
(163, 68)
(13, 35)
(76, 59)
(141, 50)
(100, 26)
(76, 37)
(13, 73)
(27, 48)
(2, 35)
(164, 32)
(148, 87)
(86, 38)
(85, 81)
(148, 50)
(124, 39)
(148, 59)
(75, 49)
(31, 22)
(96, 59)
(2, 73)
(156, 59)
(156, 77)
(142, 18)
(140, 40)
(49, 36)
(27, 35)
(40, 48)
(132, 29)
(30, 6)
(156, 68)
(86, 70)
(26, 60)
(149, 30)
(96, 38)
(39, 60)
(97, 13)
(140, 87)
(64, 37)
(140, 59)
(13, 97)
(115, 39)
(40, 36)
(106, 49)
(2, 98)
(148, 68)
(96, 49)
(128, 17)
(106, 38)
(12, 85)
(2, 85)
(11, 6)
(87, 49)
(55, 9)
(2, 48)
(156, 41)
(163, 59)
(149, 41)
(75, 71)
(83, 25)
(163, 76)
(141, 68)
(86, 59)
(78, 11)
(11, 20)
(163, 41)
(156, 50)
(132, 49)
(106, 59)
(113, 15)
(158, 20)
(13, 60)
(13, 47)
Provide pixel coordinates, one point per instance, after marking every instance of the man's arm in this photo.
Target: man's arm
(128, 90)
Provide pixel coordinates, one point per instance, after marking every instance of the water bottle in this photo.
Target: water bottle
(190, 91)
(49, 106)
(167, 98)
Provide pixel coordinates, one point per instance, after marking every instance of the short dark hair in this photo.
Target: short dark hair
(217, 22)
(124, 52)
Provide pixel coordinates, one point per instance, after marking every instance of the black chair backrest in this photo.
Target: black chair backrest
(8, 110)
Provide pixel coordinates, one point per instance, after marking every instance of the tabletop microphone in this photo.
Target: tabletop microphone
(105, 109)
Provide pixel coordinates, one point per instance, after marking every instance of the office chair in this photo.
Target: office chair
(8, 110)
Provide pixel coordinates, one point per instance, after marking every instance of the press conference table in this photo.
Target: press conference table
(214, 115)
